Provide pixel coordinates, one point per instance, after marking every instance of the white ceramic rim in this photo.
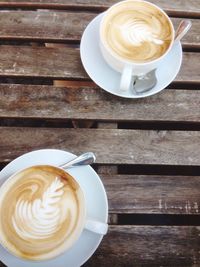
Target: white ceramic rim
(77, 232)
(23, 158)
(92, 29)
(126, 61)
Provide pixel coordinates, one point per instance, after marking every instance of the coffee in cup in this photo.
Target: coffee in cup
(134, 36)
(43, 212)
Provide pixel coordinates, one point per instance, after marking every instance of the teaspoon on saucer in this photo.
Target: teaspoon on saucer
(84, 159)
(182, 29)
(144, 83)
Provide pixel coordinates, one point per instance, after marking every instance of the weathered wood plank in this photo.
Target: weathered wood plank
(48, 26)
(139, 246)
(189, 7)
(62, 26)
(44, 62)
(84, 103)
(111, 146)
(65, 63)
(152, 194)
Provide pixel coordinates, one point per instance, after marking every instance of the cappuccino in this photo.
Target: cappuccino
(42, 212)
(136, 31)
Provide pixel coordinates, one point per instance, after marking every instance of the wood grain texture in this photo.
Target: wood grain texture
(65, 63)
(139, 246)
(84, 103)
(48, 26)
(152, 194)
(44, 62)
(63, 26)
(189, 7)
(111, 146)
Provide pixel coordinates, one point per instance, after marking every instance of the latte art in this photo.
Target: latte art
(39, 219)
(41, 212)
(136, 31)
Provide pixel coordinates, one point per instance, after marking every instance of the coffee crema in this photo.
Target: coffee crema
(136, 31)
(40, 212)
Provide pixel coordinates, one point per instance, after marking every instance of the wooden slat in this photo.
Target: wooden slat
(32, 101)
(152, 194)
(119, 146)
(189, 7)
(49, 26)
(41, 62)
(62, 26)
(139, 246)
(65, 63)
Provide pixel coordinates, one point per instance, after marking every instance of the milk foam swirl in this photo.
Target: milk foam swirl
(41, 212)
(136, 31)
(39, 219)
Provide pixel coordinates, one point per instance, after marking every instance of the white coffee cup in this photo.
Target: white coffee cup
(11, 185)
(130, 67)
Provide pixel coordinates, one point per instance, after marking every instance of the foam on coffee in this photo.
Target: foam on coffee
(136, 31)
(40, 210)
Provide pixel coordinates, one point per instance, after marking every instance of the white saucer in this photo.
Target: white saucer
(108, 79)
(96, 201)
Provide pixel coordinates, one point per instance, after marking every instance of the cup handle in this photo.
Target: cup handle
(126, 78)
(96, 226)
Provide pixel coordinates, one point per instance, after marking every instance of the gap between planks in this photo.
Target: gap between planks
(178, 9)
(112, 218)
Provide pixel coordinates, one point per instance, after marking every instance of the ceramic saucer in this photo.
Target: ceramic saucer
(108, 79)
(96, 201)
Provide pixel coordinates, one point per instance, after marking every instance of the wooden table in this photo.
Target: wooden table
(148, 150)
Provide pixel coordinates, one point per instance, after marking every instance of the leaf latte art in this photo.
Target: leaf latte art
(39, 219)
(136, 31)
(41, 212)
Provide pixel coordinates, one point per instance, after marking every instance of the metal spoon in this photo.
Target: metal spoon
(84, 159)
(182, 29)
(146, 82)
